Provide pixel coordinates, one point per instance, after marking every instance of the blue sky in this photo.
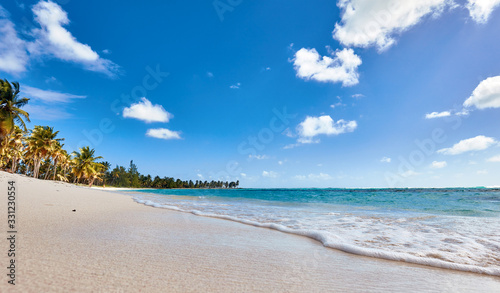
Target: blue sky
(353, 93)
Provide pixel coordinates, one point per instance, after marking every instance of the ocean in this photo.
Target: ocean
(454, 228)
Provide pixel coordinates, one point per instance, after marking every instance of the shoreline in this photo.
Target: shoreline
(354, 250)
(113, 243)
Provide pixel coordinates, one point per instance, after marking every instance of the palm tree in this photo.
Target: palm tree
(12, 148)
(84, 165)
(94, 172)
(64, 162)
(41, 145)
(58, 156)
(10, 107)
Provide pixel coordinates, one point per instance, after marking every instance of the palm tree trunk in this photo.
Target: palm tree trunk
(36, 167)
(91, 182)
(14, 165)
(47, 173)
(55, 169)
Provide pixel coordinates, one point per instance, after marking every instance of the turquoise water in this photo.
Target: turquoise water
(457, 201)
(457, 228)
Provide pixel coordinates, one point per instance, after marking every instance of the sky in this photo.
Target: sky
(347, 93)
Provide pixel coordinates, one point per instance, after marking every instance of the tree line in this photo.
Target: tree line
(122, 177)
(39, 153)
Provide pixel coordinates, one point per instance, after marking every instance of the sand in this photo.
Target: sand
(112, 244)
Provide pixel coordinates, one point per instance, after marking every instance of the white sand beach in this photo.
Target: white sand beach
(112, 244)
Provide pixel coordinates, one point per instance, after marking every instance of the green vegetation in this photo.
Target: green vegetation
(121, 177)
(39, 153)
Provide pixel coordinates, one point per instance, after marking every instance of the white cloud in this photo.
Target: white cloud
(320, 176)
(437, 115)
(341, 68)
(200, 176)
(313, 126)
(463, 112)
(20, 5)
(385, 160)
(235, 86)
(291, 146)
(52, 80)
(13, 56)
(338, 104)
(409, 173)
(486, 94)
(53, 39)
(243, 175)
(438, 165)
(210, 74)
(48, 96)
(477, 143)
(314, 177)
(163, 133)
(480, 10)
(288, 132)
(46, 104)
(367, 23)
(258, 157)
(46, 112)
(482, 172)
(495, 159)
(269, 174)
(144, 110)
(358, 96)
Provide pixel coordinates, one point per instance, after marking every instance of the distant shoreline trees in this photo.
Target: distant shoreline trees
(122, 177)
(39, 153)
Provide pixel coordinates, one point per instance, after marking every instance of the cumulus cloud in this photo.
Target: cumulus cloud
(51, 39)
(343, 67)
(486, 94)
(438, 165)
(437, 115)
(144, 110)
(48, 96)
(55, 40)
(269, 174)
(367, 23)
(480, 10)
(13, 56)
(495, 159)
(313, 126)
(163, 133)
(385, 160)
(477, 143)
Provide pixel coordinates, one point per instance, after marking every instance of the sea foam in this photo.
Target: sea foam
(445, 241)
